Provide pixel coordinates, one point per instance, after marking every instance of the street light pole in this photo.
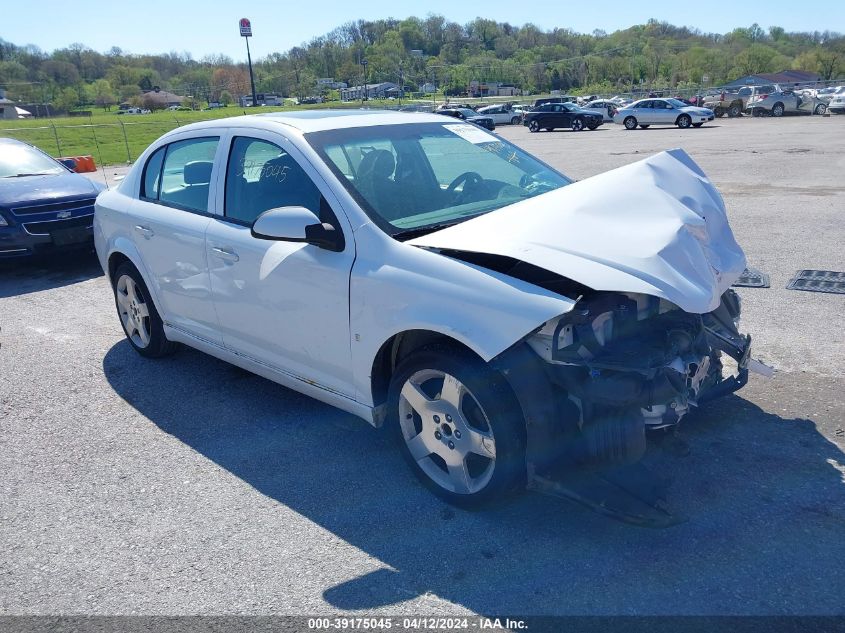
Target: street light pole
(365, 95)
(246, 33)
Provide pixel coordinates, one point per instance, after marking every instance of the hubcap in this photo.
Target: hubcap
(447, 432)
(133, 310)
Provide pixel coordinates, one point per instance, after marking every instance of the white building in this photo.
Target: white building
(374, 91)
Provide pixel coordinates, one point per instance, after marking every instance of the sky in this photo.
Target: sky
(211, 27)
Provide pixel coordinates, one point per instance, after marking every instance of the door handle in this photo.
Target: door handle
(224, 254)
(144, 230)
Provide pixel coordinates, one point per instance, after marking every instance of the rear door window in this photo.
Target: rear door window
(186, 173)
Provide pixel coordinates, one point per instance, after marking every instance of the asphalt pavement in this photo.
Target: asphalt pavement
(188, 486)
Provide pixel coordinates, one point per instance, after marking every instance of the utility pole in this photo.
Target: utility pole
(365, 95)
(401, 83)
(246, 33)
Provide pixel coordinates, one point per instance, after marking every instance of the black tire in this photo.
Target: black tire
(495, 399)
(697, 124)
(630, 123)
(158, 345)
(577, 124)
(515, 120)
(684, 121)
(778, 109)
(735, 110)
(644, 127)
(533, 126)
(719, 111)
(593, 126)
(820, 109)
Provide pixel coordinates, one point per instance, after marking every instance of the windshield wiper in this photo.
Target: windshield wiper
(422, 230)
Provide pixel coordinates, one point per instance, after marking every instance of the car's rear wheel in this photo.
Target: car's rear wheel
(820, 109)
(533, 126)
(719, 111)
(458, 425)
(515, 120)
(778, 109)
(684, 121)
(138, 315)
(630, 123)
(577, 124)
(735, 110)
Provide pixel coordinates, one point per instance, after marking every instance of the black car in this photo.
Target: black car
(470, 115)
(43, 204)
(554, 115)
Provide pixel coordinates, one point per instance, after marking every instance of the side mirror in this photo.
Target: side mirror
(297, 224)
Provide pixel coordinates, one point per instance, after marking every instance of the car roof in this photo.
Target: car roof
(12, 141)
(307, 121)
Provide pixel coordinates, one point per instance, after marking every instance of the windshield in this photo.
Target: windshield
(22, 160)
(417, 177)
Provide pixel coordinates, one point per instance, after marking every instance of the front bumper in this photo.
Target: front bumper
(16, 242)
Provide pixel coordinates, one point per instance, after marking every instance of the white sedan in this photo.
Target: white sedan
(432, 278)
(501, 114)
(647, 112)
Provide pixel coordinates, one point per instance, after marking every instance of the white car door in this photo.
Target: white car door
(284, 304)
(169, 220)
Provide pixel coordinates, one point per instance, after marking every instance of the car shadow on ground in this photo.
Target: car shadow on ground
(763, 495)
(44, 272)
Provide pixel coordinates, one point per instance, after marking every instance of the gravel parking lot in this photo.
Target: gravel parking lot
(187, 486)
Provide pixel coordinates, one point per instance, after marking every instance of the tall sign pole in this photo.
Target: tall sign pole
(246, 33)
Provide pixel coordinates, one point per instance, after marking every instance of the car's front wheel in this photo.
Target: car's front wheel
(515, 120)
(138, 315)
(458, 425)
(684, 121)
(630, 123)
(820, 109)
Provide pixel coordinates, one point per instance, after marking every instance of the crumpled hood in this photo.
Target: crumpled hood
(657, 226)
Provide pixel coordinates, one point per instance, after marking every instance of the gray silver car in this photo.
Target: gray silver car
(647, 112)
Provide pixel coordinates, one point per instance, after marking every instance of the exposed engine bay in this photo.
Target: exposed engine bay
(637, 362)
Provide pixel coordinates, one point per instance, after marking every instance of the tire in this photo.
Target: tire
(469, 446)
(684, 121)
(138, 315)
(593, 126)
(778, 109)
(533, 126)
(719, 111)
(697, 124)
(735, 110)
(515, 120)
(577, 124)
(644, 126)
(630, 123)
(820, 109)
(757, 112)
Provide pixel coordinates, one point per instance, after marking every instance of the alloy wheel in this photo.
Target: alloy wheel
(133, 310)
(447, 432)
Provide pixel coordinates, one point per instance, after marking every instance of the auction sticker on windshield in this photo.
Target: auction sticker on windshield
(471, 133)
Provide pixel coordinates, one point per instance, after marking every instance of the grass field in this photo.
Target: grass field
(113, 139)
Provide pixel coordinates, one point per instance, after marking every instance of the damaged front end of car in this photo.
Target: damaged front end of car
(647, 256)
(594, 381)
